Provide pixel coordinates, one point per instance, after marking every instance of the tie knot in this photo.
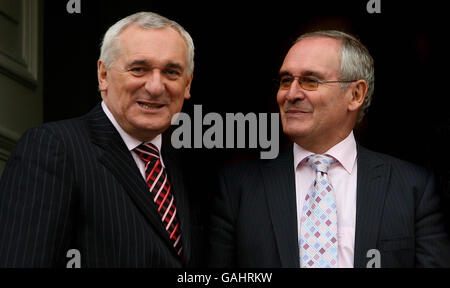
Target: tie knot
(147, 152)
(320, 162)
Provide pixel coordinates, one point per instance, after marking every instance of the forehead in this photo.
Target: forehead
(161, 45)
(318, 54)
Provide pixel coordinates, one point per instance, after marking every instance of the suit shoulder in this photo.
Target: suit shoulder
(64, 130)
(59, 135)
(68, 126)
(399, 165)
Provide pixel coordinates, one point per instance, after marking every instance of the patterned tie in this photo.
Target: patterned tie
(159, 185)
(318, 240)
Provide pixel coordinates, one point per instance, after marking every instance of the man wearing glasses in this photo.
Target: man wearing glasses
(327, 201)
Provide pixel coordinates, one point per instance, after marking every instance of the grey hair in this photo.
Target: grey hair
(110, 47)
(356, 62)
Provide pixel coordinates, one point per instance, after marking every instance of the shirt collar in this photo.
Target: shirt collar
(344, 152)
(129, 140)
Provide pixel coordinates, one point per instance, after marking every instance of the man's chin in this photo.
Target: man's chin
(148, 131)
(152, 123)
(155, 128)
(295, 132)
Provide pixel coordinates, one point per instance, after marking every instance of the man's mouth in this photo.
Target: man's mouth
(150, 105)
(295, 111)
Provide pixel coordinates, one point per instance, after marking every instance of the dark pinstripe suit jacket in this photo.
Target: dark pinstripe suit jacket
(254, 219)
(74, 185)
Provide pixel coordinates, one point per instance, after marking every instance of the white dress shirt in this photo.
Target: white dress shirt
(132, 142)
(343, 177)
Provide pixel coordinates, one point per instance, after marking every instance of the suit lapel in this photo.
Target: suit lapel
(279, 185)
(116, 157)
(279, 182)
(372, 180)
(172, 165)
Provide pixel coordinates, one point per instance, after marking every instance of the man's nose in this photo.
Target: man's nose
(155, 83)
(295, 92)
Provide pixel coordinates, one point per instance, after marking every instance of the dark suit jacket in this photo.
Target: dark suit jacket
(73, 184)
(254, 216)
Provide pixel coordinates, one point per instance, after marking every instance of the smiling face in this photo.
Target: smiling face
(316, 120)
(148, 82)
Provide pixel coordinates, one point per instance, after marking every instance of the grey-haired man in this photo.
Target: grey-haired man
(107, 184)
(327, 201)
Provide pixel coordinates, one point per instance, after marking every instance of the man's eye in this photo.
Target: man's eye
(137, 70)
(286, 79)
(309, 80)
(173, 73)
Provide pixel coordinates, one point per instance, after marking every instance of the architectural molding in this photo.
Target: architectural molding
(8, 140)
(23, 66)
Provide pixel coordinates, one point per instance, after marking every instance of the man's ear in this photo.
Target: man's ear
(187, 90)
(358, 94)
(102, 74)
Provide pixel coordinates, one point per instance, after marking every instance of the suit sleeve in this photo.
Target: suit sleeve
(35, 203)
(222, 242)
(432, 242)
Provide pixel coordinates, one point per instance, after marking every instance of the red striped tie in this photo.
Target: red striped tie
(159, 185)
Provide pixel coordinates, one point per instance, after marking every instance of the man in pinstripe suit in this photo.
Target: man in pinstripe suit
(79, 184)
(387, 210)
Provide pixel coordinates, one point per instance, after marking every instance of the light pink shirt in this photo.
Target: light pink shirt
(132, 142)
(342, 175)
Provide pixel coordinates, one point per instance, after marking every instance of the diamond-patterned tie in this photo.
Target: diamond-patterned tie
(318, 240)
(159, 185)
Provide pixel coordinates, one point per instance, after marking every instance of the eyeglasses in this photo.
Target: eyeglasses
(306, 82)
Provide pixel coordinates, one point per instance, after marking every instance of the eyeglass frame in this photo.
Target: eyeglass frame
(278, 81)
